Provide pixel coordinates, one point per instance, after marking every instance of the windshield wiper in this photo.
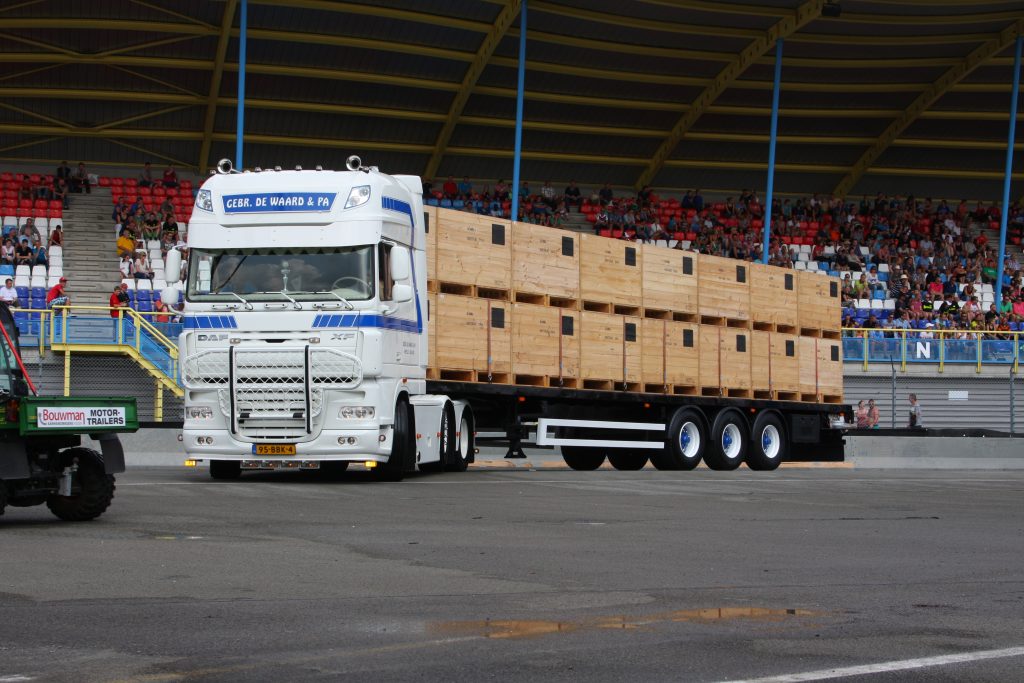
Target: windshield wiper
(248, 306)
(348, 304)
(296, 304)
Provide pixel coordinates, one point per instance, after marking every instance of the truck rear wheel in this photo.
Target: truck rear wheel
(403, 447)
(627, 461)
(581, 458)
(768, 444)
(463, 445)
(225, 469)
(92, 488)
(729, 437)
(685, 442)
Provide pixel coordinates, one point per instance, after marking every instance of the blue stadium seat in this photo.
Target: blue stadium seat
(446, 203)
(144, 295)
(38, 304)
(145, 306)
(458, 204)
(432, 202)
(6, 270)
(22, 292)
(38, 292)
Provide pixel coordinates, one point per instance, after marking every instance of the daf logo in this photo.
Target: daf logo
(340, 336)
(211, 337)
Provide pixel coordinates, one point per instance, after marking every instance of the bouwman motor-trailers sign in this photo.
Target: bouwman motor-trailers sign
(69, 416)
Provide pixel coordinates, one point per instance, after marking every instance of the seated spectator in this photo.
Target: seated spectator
(450, 189)
(26, 190)
(125, 244)
(22, 254)
(64, 172)
(501, 190)
(151, 227)
(29, 232)
(8, 293)
(606, 194)
(57, 237)
(170, 226)
(126, 266)
(547, 194)
(7, 251)
(38, 253)
(572, 195)
(60, 191)
(170, 178)
(57, 296)
(163, 313)
(465, 188)
(80, 180)
(166, 206)
(119, 299)
(146, 176)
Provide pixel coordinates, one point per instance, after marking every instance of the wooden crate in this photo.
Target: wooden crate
(546, 262)
(725, 361)
(773, 297)
(819, 303)
(830, 370)
(545, 342)
(470, 331)
(669, 281)
(671, 356)
(610, 272)
(430, 225)
(474, 250)
(609, 349)
(774, 364)
(724, 288)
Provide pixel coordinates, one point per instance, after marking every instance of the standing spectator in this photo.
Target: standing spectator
(862, 415)
(60, 191)
(170, 176)
(64, 172)
(8, 294)
(450, 189)
(80, 180)
(163, 312)
(915, 413)
(873, 414)
(119, 299)
(57, 296)
(146, 176)
(465, 188)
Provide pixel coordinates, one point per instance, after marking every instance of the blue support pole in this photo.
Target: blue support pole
(1005, 208)
(519, 112)
(771, 151)
(243, 23)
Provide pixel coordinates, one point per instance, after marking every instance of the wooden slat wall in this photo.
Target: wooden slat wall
(542, 344)
(465, 331)
(474, 250)
(604, 273)
(722, 293)
(545, 261)
(666, 285)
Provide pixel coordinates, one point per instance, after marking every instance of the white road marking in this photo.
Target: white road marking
(15, 678)
(885, 667)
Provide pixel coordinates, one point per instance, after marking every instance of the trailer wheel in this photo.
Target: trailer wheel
(463, 442)
(582, 458)
(768, 443)
(404, 444)
(225, 470)
(627, 461)
(686, 441)
(92, 488)
(729, 435)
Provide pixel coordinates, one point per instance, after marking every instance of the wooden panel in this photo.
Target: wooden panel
(785, 367)
(431, 330)
(468, 330)
(818, 308)
(710, 341)
(808, 356)
(761, 368)
(542, 342)
(474, 250)
(770, 300)
(666, 357)
(722, 295)
(735, 358)
(430, 225)
(545, 261)
(604, 352)
(830, 367)
(604, 275)
(666, 286)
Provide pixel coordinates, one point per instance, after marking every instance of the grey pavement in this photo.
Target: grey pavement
(519, 575)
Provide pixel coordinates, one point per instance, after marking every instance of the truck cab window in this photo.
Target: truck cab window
(384, 268)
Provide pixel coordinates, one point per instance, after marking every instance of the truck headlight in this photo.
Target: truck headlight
(356, 413)
(199, 412)
(358, 196)
(204, 200)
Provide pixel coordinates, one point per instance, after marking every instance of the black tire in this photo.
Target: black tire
(446, 437)
(92, 488)
(628, 462)
(582, 458)
(404, 448)
(333, 469)
(225, 470)
(769, 446)
(463, 442)
(730, 436)
(685, 441)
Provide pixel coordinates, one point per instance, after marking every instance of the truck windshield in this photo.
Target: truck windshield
(264, 274)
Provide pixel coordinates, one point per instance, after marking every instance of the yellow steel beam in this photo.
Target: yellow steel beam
(925, 100)
(227, 19)
(153, 79)
(624, 48)
(928, 19)
(28, 72)
(803, 15)
(172, 13)
(18, 5)
(483, 55)
(29, 143)
(139, 117)
(753, 166)
(72, 24)
(578, 14)
(357, 42)
(847, 38)
(148, 152)
(367, 9)
(148, 44)
(35, 115)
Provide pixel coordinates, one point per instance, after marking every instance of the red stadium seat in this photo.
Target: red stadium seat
(55, 213)
(604, 232)
(679, 236)
(104, 181)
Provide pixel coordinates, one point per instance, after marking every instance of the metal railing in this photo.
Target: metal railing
(933, 346)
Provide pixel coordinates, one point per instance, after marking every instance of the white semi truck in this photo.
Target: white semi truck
(305, 346)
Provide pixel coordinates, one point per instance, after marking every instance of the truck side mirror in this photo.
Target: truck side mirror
(399, 264)
(401, 293)
(172, 267)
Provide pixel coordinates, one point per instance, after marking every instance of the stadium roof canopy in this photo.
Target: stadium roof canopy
(895, 95)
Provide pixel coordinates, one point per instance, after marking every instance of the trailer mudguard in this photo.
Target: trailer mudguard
(13, 460)
(113, 452)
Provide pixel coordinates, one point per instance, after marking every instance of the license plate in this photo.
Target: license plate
(273, 449)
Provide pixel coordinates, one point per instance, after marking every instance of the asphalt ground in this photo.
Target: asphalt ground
(517, 575)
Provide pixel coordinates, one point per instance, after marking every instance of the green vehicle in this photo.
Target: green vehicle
(42, 459)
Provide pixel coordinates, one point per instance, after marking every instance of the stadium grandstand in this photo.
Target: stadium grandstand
(648, 121)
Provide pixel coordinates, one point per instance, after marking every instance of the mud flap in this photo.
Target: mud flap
(113, 453)
(13, 461)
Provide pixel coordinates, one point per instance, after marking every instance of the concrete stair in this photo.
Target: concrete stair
(90, 256)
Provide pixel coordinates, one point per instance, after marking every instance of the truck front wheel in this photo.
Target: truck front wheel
(92, 488)
(404, 444)
(225, 469)
(581, 458)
